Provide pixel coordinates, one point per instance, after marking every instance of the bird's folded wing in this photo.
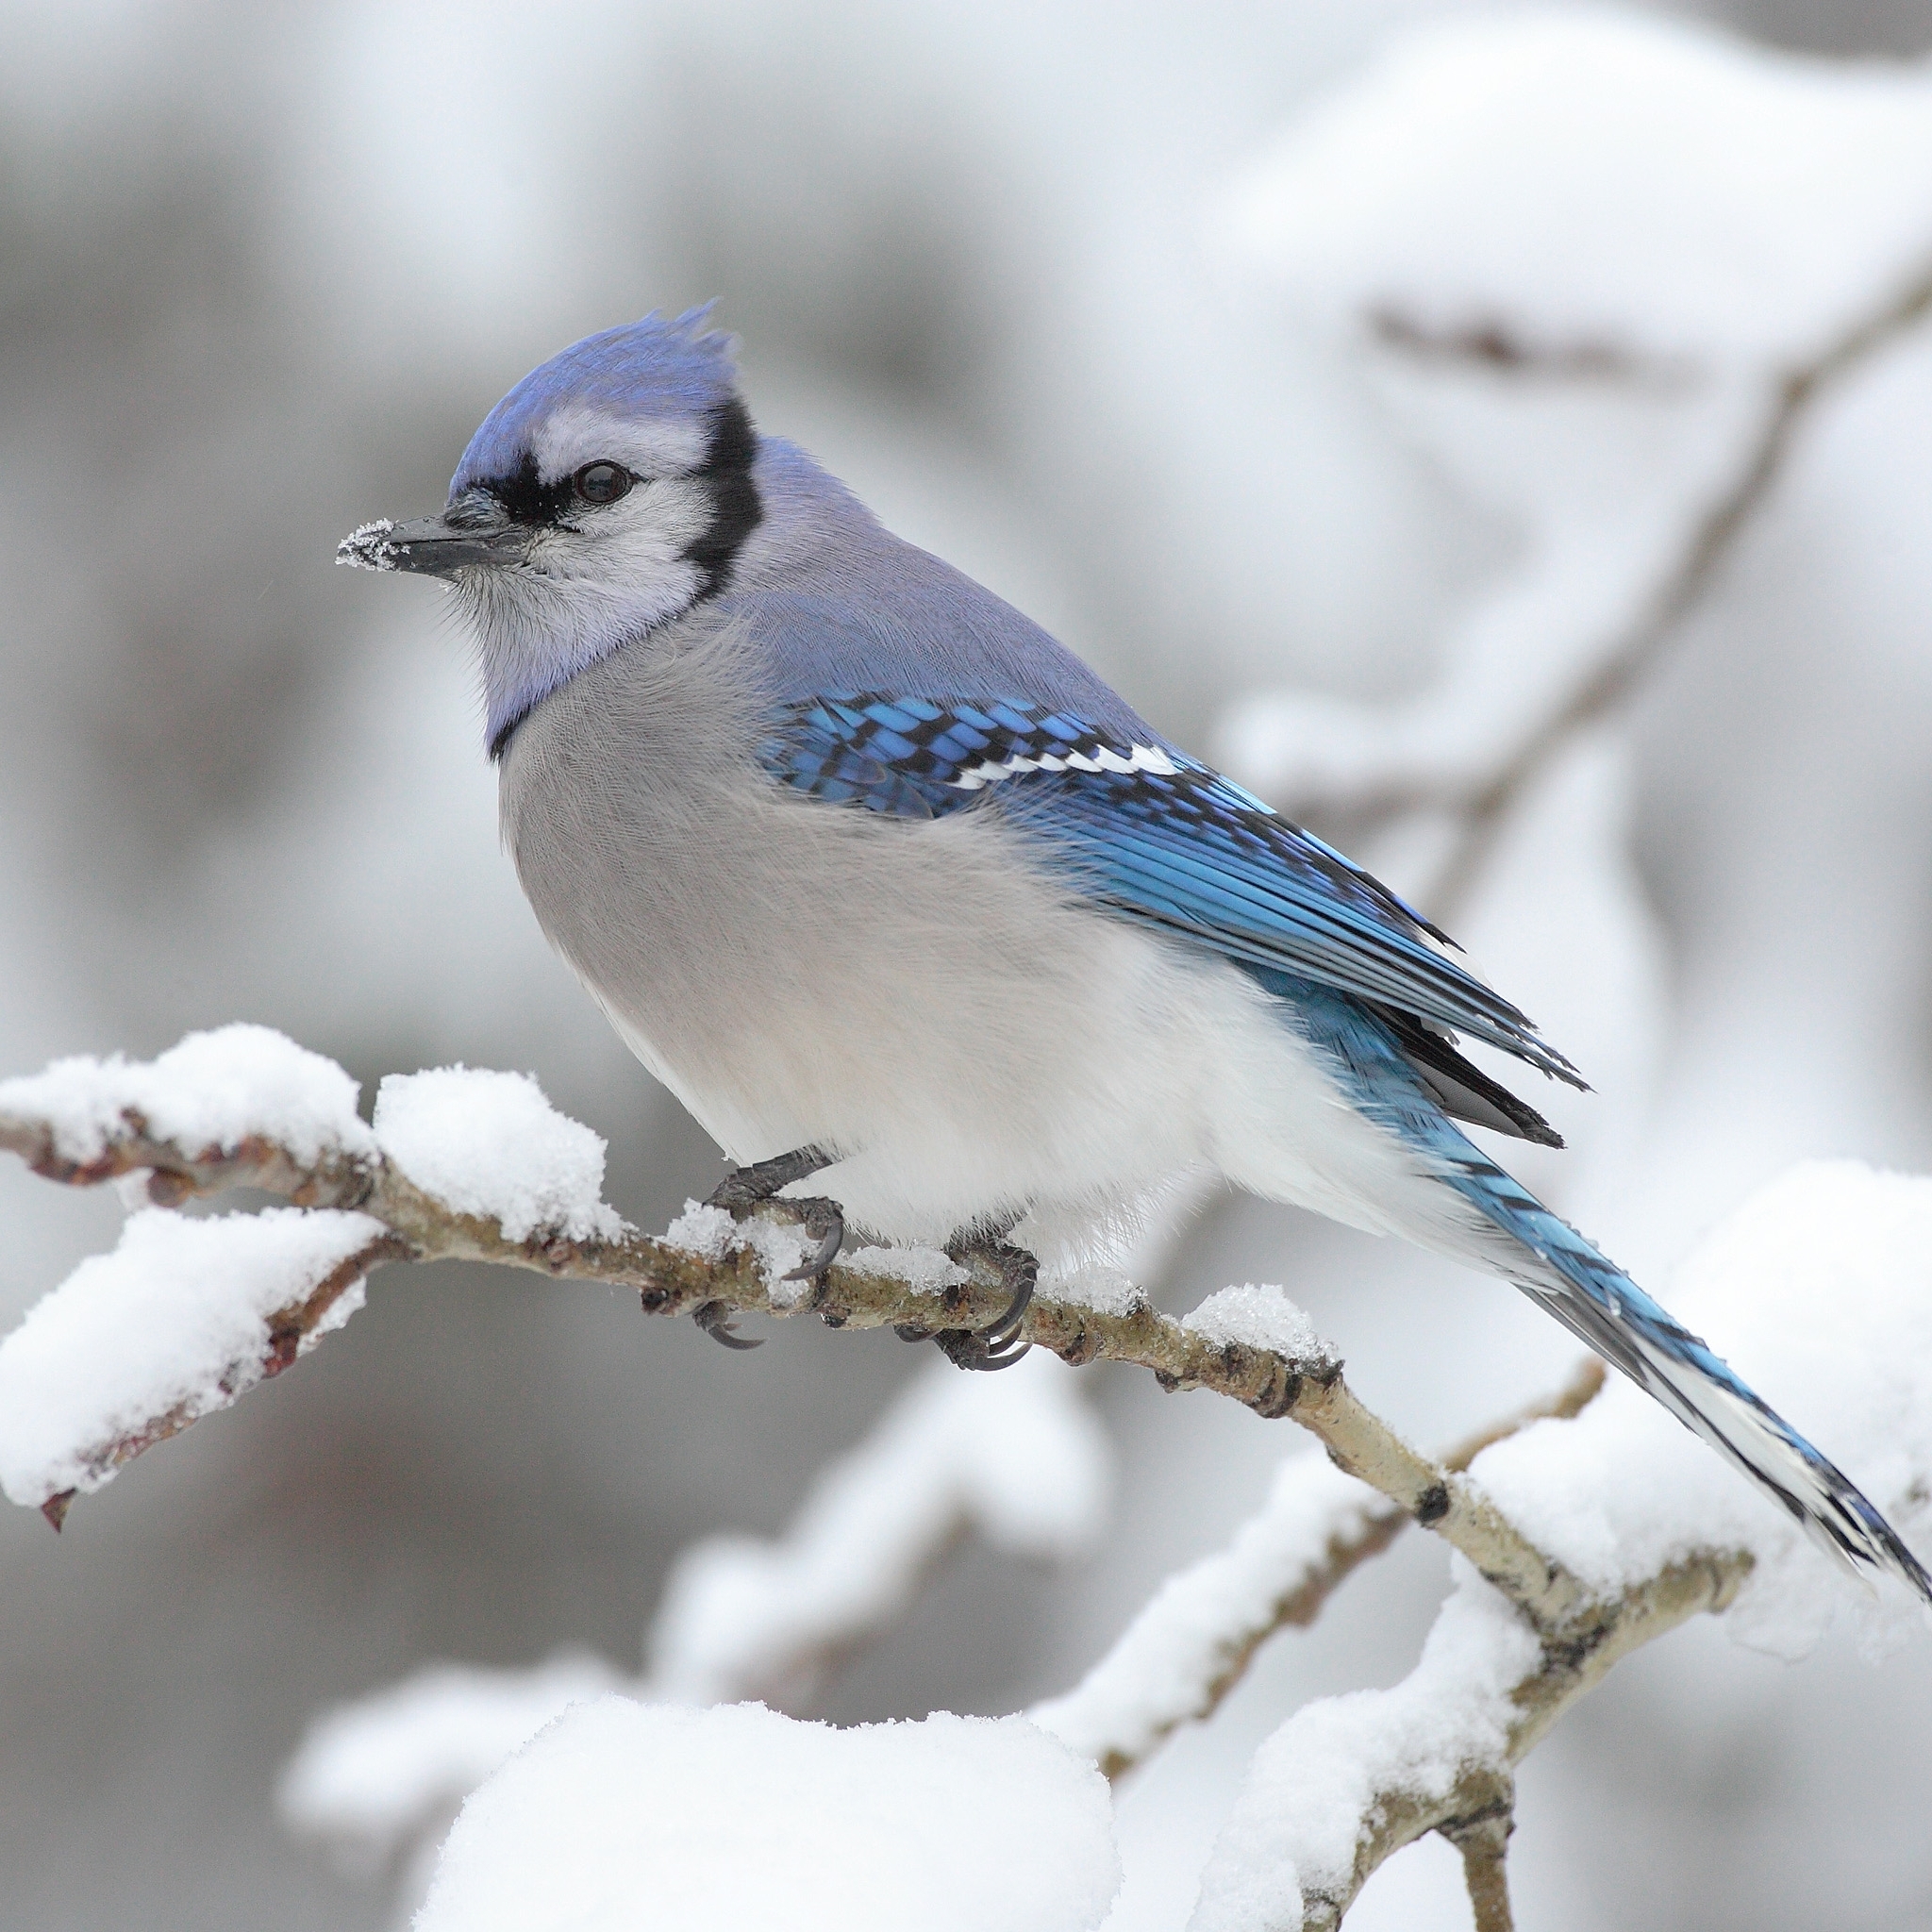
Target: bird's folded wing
(1154, 835)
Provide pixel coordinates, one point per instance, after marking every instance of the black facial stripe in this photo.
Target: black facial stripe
(726, 473)
(525, 498)
(736, 508)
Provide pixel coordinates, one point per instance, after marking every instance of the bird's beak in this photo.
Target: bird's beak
(431, 546)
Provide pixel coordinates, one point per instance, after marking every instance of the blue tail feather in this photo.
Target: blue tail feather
(1596, 1301)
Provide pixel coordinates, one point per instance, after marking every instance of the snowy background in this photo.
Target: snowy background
(1087, 300)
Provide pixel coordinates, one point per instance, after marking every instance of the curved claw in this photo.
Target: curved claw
(992, 1362)
(715, 1319)
(1003, 1331)
(829, 1243)
(965, 1349)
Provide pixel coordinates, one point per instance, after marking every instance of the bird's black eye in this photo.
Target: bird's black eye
(603, 482)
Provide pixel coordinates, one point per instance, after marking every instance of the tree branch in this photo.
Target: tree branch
(885, 1291)
(1642, 619)
(1187, 1650)
(1708, 543)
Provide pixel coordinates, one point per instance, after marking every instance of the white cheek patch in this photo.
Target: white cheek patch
(577, 433)
(1139, 758)
(654, 523)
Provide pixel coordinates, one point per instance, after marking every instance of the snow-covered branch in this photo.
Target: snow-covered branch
(1655, 1527)
(1580, 1534)
(1626, 399)
(472, 1166)
(1193, 1642)
(1347, 1782)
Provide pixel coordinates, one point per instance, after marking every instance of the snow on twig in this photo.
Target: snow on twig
(1824, 1283)
(622, 1815)
(1624, 394)
(1016, 1458)
(1192, 1643)
(1632, 1525)
(672, 1278)
(180, 1320)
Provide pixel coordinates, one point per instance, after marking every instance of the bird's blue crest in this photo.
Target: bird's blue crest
(655, 367)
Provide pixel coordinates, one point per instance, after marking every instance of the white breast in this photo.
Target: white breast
(919, 996)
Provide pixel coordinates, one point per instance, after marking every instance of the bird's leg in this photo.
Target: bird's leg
(991, 1347)
(745, 1188)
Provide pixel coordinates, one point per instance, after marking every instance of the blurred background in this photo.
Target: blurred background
(1010, 271)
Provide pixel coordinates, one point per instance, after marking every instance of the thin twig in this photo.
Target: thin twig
(673, 1280)
(1568, 1669)
(1483, 1838)
(1218, 1663)
(1616, 672)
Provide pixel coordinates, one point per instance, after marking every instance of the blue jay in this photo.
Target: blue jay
(881, 880)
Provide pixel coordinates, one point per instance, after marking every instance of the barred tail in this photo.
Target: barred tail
(1596, 1301)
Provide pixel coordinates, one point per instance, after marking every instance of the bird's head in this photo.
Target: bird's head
(609, 490)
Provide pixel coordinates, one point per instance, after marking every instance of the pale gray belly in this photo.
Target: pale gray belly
(916, 992)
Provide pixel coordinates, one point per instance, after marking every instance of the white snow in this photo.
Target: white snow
(1260, 1317)
(1601, 180)
(1107, 1289)
(703, 1230)
(621, 1816)
(780, 1246)
(1819, 1293)
(1312, 1786)
(492, 1145)
(212, 1089)
(1672, 219)
(1204, 1619)
(175, 1322)
(927, 1269)
(1822, 1289)
(367, 546)
(711, 1233)
(370, 1774)
(1017, 1457)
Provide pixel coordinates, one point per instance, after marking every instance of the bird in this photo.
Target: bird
(899, 898)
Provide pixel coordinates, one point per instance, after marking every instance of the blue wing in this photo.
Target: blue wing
(1158, 838)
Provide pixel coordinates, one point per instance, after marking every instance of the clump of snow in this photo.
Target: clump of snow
(1691, 196)
(175, 1322)
(491, 1144)
(368, 547)
(1018, 1456)
(212, 1089)
(371, 1774)
(1260, 1317)
(1106, 1291)
(780, 1246)
(623, 1815)
(703, 1230)
(925, 1270)
(1819, 1293)
(1313, 1786)
(1204, 1620)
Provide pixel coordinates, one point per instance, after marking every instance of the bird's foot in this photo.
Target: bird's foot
(715, 1319)
(746, 1188)
(824, 1221)
(993, 1346)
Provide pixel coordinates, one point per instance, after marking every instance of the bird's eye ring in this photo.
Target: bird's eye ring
(603, 482)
